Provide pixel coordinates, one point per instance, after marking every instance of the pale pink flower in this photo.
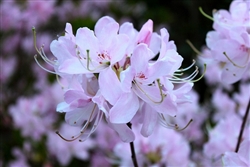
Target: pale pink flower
(241, 158)
(229, 43)
(224, 137)
(37, 13)
(34, 116)
(64, 151)
(242, 98)
(111, 68)
(223, 104)
(156, 150)
(10, 20)
(94, 50)
(7, 68)
(21, 159)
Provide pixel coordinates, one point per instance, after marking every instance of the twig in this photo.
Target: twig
(242, 127)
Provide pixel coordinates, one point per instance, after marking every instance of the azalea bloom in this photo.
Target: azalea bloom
(241, 158)
(229, 42)
(114, 71)
(155, 150)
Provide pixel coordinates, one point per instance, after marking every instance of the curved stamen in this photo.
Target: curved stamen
(161, 93)
(190, 77)
(193, 47)
(205, 68)
(88, 62)
(175, 126)
(231, 61)
(45, 58)
(94, 127)
(187, 68)
(206, 15)
(41, 51)
(191, 120)
(84, 128)
(178, 74)
(35, 57)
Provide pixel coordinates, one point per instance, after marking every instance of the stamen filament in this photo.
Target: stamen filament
(193, 47)
(178, 74)
(88, 62)
(175, 126)
(35, 57)
(45, 58)
(161, 93)
(84, 128)
(231, 61)
(206, 15)
(187, 68)
(191, 120)
(196, 71)
(205, 68)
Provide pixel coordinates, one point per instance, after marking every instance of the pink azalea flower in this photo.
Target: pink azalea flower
(224, 105)
(241, 158)
(33, 115)
(94, 51)
(64, 151)
(156, 150)
(229, 43)
(119, 57)
(21, 159)
(224, 137)
(242, 98)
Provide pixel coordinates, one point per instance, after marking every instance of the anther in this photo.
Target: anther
(191, 120)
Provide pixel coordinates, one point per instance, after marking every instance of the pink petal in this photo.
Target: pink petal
(126, 78)
(145, 33)
(107, 79)
(79, 115)
(124, 109)
(140, 58)
(118, 47)
(104, 27)
(125, 133)
(149, 121)
(233, 159)
(73, 66)
(231, 73)
(86, 40)
(128, 29)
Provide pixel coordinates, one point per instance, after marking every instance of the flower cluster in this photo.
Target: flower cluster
(121, 73)
(228, 52)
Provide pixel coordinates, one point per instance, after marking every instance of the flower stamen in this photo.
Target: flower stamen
(160, 88)
(206, 15)
(231, 61)
(84, 128)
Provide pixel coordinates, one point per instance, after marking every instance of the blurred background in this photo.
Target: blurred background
(27, 89)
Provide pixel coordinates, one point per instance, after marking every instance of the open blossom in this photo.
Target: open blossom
(64, 151)
(241, 158)
(228, 44)
(119, 73)
(224, 136)
(156, 150)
